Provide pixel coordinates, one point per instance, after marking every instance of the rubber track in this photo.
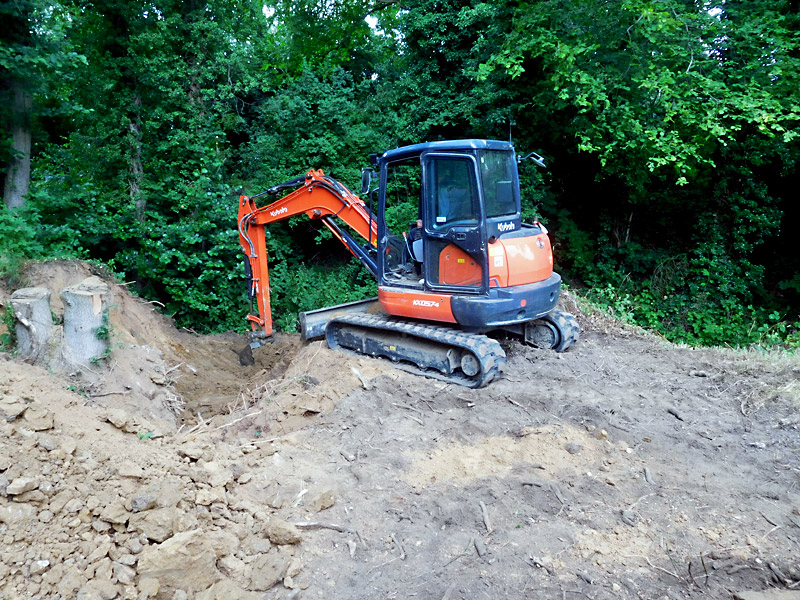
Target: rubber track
(567, 326)
(490, 354)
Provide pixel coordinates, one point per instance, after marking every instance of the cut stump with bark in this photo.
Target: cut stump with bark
(85, 321)
(34, 322)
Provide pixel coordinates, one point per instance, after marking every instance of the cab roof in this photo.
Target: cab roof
(405, 152)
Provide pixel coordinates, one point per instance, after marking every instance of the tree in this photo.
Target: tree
(32, 49)
(17, 58)
(669, 129)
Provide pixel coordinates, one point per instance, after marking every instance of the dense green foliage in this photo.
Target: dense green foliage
(705, 104)
(670, 128)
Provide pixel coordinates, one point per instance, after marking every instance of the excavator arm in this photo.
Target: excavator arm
(319, 197)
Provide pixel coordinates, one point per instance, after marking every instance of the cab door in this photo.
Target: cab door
(455, 232)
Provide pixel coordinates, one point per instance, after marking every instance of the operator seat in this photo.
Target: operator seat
(416, 250)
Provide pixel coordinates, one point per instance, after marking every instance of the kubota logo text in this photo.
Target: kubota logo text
(428, 303)
(278, 211)
(505, 226)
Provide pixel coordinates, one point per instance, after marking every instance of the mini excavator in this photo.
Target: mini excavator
(467, 267)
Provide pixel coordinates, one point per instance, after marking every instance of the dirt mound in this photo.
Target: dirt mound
(625, 468)
(175, 377)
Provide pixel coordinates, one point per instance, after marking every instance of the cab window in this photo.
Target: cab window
(497, 181)
(453, 192)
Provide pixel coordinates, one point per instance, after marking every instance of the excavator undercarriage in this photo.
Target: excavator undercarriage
(431, 350)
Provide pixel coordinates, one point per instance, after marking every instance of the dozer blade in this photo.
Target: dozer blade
(314, 322)
(432, 351)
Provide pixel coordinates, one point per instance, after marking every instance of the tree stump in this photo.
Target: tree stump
(85, 321)
(34, 322)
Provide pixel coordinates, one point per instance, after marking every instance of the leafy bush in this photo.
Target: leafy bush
(300, 287)
(18, 242)
(8, 339)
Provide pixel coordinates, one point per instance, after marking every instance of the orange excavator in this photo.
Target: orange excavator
(455, 264)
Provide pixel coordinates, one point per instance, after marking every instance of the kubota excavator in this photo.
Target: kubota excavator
(471, 269)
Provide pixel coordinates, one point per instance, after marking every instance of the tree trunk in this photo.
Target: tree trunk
(18, 176)
(137, 170)
(85, 321)
(34, 322)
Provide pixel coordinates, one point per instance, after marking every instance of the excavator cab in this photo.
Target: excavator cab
(481, 266)
(468, 196)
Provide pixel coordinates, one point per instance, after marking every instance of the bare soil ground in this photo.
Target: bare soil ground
(624, 468)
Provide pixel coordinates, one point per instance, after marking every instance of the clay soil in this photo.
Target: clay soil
(626, 467)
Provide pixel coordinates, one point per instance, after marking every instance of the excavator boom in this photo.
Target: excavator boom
(319, 197)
